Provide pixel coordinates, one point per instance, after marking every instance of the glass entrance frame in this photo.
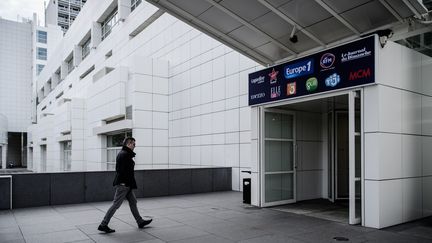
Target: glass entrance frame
(279, 157)
(356, 157)
(356, 153)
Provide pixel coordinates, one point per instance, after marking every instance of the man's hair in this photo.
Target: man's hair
(128, 140)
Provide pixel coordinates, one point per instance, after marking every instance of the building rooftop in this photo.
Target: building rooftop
(209, 217)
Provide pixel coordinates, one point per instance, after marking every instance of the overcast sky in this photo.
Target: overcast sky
(10, 9)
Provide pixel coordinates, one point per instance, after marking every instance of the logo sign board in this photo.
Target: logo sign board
(349, 65)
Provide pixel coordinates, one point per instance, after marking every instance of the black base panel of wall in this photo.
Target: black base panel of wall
(5, 193)
(43, 189)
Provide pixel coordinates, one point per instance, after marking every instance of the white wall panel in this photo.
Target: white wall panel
(426, 75)
(372, 204)
(389, 66)
(391, 201)
(427, 156)
(390, 113)
(411, 62)
(412, 199)
(426, 115)
(411, 113)
(411, 156)
(427, 196)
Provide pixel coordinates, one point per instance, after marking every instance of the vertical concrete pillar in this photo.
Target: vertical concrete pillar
(96, 34)
(77, 54)
(124, 9)
(47, 89)
(55, 79)
(255, 160)
(40, 95)
(4, 153)
(63, 70)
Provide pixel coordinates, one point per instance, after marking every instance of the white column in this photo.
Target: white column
(47, 89)
(4, 152)
(124, 9)
(40, 95)
(96, 34)
(255, 157)
(63, 70)
(54, 80)
(77, 54)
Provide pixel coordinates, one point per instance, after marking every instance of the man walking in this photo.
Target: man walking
(124, 183)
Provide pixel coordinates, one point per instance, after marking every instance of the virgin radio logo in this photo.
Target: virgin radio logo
(273, 76)
(361, 73)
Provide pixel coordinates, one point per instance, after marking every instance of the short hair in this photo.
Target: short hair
(128, 140)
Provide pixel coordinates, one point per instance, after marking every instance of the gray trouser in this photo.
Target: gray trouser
(121, 193)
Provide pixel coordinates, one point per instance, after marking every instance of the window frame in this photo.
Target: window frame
(134, 4)
(70, 65)
(66, 150)
(85, 48)
(114, 148)
(109, 23)
(39, 69)
(41, 56)
(39, 39)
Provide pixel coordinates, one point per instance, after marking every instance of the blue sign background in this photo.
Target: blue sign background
(353, 65)
(298, 69)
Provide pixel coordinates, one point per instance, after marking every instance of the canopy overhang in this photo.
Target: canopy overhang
(274, 31)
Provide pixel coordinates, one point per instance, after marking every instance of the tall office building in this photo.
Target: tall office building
(24, 51)
(63, 12)
(15, 89)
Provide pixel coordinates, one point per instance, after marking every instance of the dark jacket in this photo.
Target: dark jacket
(125, 168)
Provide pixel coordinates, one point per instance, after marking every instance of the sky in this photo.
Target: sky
(10, 9)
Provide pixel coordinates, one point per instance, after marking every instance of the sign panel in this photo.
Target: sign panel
(344, 66)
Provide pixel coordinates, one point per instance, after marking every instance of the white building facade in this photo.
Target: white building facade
(24, 52)
(127, 68)
(177, 91)
(15, 91)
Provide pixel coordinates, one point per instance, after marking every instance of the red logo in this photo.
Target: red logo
(273, 76)
(291, 88)
(361, 73)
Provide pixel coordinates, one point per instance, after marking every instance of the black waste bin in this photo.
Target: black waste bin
(247, 190)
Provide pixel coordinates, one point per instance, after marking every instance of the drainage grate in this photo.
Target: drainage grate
(338, 238)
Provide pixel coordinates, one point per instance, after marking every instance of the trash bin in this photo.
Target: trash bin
(247, 190)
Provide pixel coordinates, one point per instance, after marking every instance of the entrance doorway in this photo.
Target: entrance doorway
(311, 150)
(279, 153)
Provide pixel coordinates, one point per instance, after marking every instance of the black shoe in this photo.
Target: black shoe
(144, 223)
(105, 229)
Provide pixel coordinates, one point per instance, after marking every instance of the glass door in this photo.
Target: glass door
(278, 177)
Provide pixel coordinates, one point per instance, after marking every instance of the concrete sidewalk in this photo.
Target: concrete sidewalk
(210, 217)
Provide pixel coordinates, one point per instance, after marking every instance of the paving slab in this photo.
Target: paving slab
(206, 217)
